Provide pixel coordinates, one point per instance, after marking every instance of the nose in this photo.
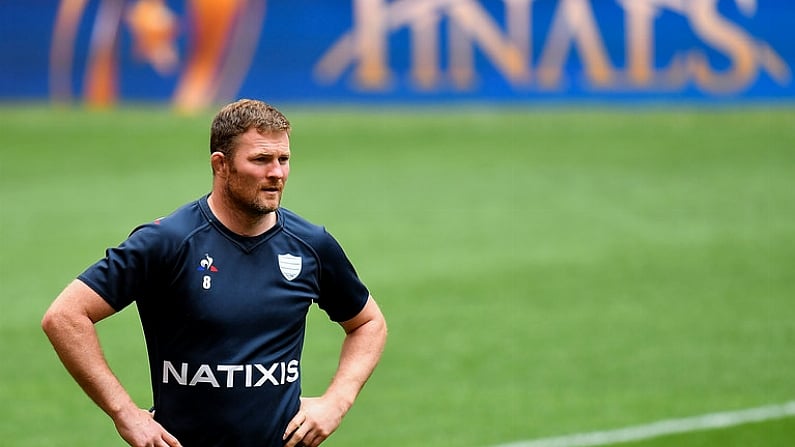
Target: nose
(275, 170)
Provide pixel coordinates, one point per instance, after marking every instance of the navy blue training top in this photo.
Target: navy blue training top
(224, 317)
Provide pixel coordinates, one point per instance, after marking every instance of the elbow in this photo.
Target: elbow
(380, 332)
(75, 310)
(51, 321)
(377, 326)
(382, 327)
(56, 321)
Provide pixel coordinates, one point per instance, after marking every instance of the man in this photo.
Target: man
(223, 286)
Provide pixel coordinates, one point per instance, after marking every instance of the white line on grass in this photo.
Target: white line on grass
(664, 427)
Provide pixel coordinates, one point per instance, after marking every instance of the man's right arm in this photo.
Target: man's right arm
(69, 324)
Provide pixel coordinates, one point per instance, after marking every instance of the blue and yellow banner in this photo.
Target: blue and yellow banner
(194, 53)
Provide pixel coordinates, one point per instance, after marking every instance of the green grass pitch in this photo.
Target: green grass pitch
(544, 272)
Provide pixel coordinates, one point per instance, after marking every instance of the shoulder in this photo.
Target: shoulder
(316, 236)
(301, 227)
(172, 230)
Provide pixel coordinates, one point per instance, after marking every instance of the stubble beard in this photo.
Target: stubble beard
(254, 207)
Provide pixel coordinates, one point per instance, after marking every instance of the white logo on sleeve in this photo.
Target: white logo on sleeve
(290, 266)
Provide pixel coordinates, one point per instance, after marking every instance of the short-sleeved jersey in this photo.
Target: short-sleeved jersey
(224, 317)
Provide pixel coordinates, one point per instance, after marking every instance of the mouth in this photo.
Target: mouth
(272, 190)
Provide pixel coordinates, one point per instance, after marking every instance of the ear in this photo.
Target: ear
(218, 162)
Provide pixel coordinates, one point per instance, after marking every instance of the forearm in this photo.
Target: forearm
(360, 353)
(69, 324)
(77, 345)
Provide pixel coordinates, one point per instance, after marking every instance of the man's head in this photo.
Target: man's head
(250, 157)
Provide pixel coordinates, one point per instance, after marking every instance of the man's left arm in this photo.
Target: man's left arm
(319, 417)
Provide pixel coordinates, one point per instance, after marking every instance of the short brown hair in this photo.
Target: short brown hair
(238, 117)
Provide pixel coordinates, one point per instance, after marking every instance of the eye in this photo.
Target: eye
(284, 159)
(262, 159)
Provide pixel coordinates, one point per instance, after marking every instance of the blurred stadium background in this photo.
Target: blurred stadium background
(576, 214)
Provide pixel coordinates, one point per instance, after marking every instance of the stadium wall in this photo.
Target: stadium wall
(194, 53)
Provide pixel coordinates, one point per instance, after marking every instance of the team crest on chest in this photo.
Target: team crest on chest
(290, 266)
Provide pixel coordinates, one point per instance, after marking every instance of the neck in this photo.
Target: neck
(237, 220)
